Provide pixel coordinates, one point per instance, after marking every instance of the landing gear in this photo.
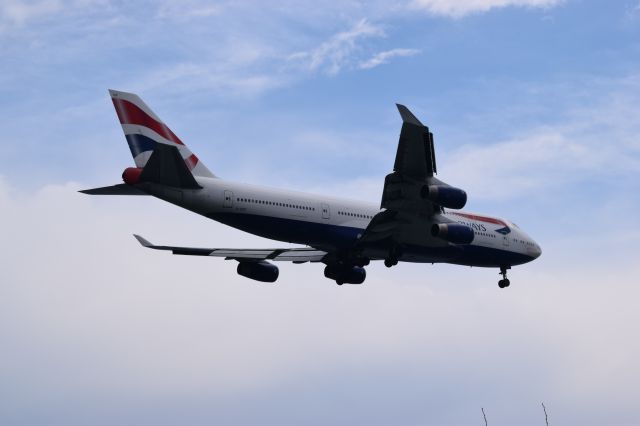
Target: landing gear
(362, 262)
(394, 255)
(345, 274)
(504, 282)
(390, 261)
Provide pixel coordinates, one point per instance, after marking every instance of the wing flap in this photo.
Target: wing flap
(301, 256)
(382, 226)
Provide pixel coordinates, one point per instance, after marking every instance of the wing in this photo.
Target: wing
(406, 209)
(414, 168)
(415, 156)
(296, 255)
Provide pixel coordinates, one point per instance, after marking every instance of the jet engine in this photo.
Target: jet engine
(456, 233)
(259, 271)
(345, 274)
(445, 195)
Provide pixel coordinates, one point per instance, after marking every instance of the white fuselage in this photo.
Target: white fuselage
(330, 223)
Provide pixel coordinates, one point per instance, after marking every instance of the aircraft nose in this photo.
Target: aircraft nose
(537, 251)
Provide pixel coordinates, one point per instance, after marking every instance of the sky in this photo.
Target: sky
(534, 106)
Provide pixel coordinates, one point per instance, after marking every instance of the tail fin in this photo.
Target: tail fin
(143, 130)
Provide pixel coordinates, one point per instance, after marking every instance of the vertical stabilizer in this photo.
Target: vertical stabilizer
(143, 130)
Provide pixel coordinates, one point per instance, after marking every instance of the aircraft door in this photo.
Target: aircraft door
(326, 212)
(505, 241)
(228, 199)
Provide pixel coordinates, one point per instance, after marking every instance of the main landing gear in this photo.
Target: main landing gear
(394, 255)
(504, 282)
(390, 261)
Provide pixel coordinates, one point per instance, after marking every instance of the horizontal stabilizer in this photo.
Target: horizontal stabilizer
(166, 167)
(120, 189)
(143, 241)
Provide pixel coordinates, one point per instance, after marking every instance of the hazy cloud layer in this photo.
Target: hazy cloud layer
(595, 141)
(88, 315)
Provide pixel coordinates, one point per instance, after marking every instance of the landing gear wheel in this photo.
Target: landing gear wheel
(390, 262)
(504, 282)
(339, 282)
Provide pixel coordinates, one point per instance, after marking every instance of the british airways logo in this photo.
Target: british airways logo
(474, 226)
(503, 231)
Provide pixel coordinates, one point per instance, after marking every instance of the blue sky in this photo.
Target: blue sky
(534, 108)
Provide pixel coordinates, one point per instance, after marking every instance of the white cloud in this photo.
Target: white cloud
(340, 50)
(384, 57)
(346, 49)
(18, 12)
(187, 9)
(633, 11)
(460, 8)
(595, 138)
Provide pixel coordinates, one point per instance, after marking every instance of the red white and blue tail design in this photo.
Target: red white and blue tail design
(143, 130)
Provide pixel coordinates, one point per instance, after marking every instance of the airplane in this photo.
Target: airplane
(418, 219)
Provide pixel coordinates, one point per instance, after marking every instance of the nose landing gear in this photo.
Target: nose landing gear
(504, 282)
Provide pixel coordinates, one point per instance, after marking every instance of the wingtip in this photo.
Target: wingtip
(407, 115)
(143, 242)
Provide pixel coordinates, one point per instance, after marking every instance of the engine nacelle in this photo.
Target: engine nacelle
(445, 196)
(347, 275)
(259, 271)
(453, 232)
(131, 175)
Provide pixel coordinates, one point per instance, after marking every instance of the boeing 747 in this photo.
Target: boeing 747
(418, 219)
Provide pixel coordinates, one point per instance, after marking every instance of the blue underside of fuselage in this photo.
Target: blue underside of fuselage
(333, 237)
(296, 231)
